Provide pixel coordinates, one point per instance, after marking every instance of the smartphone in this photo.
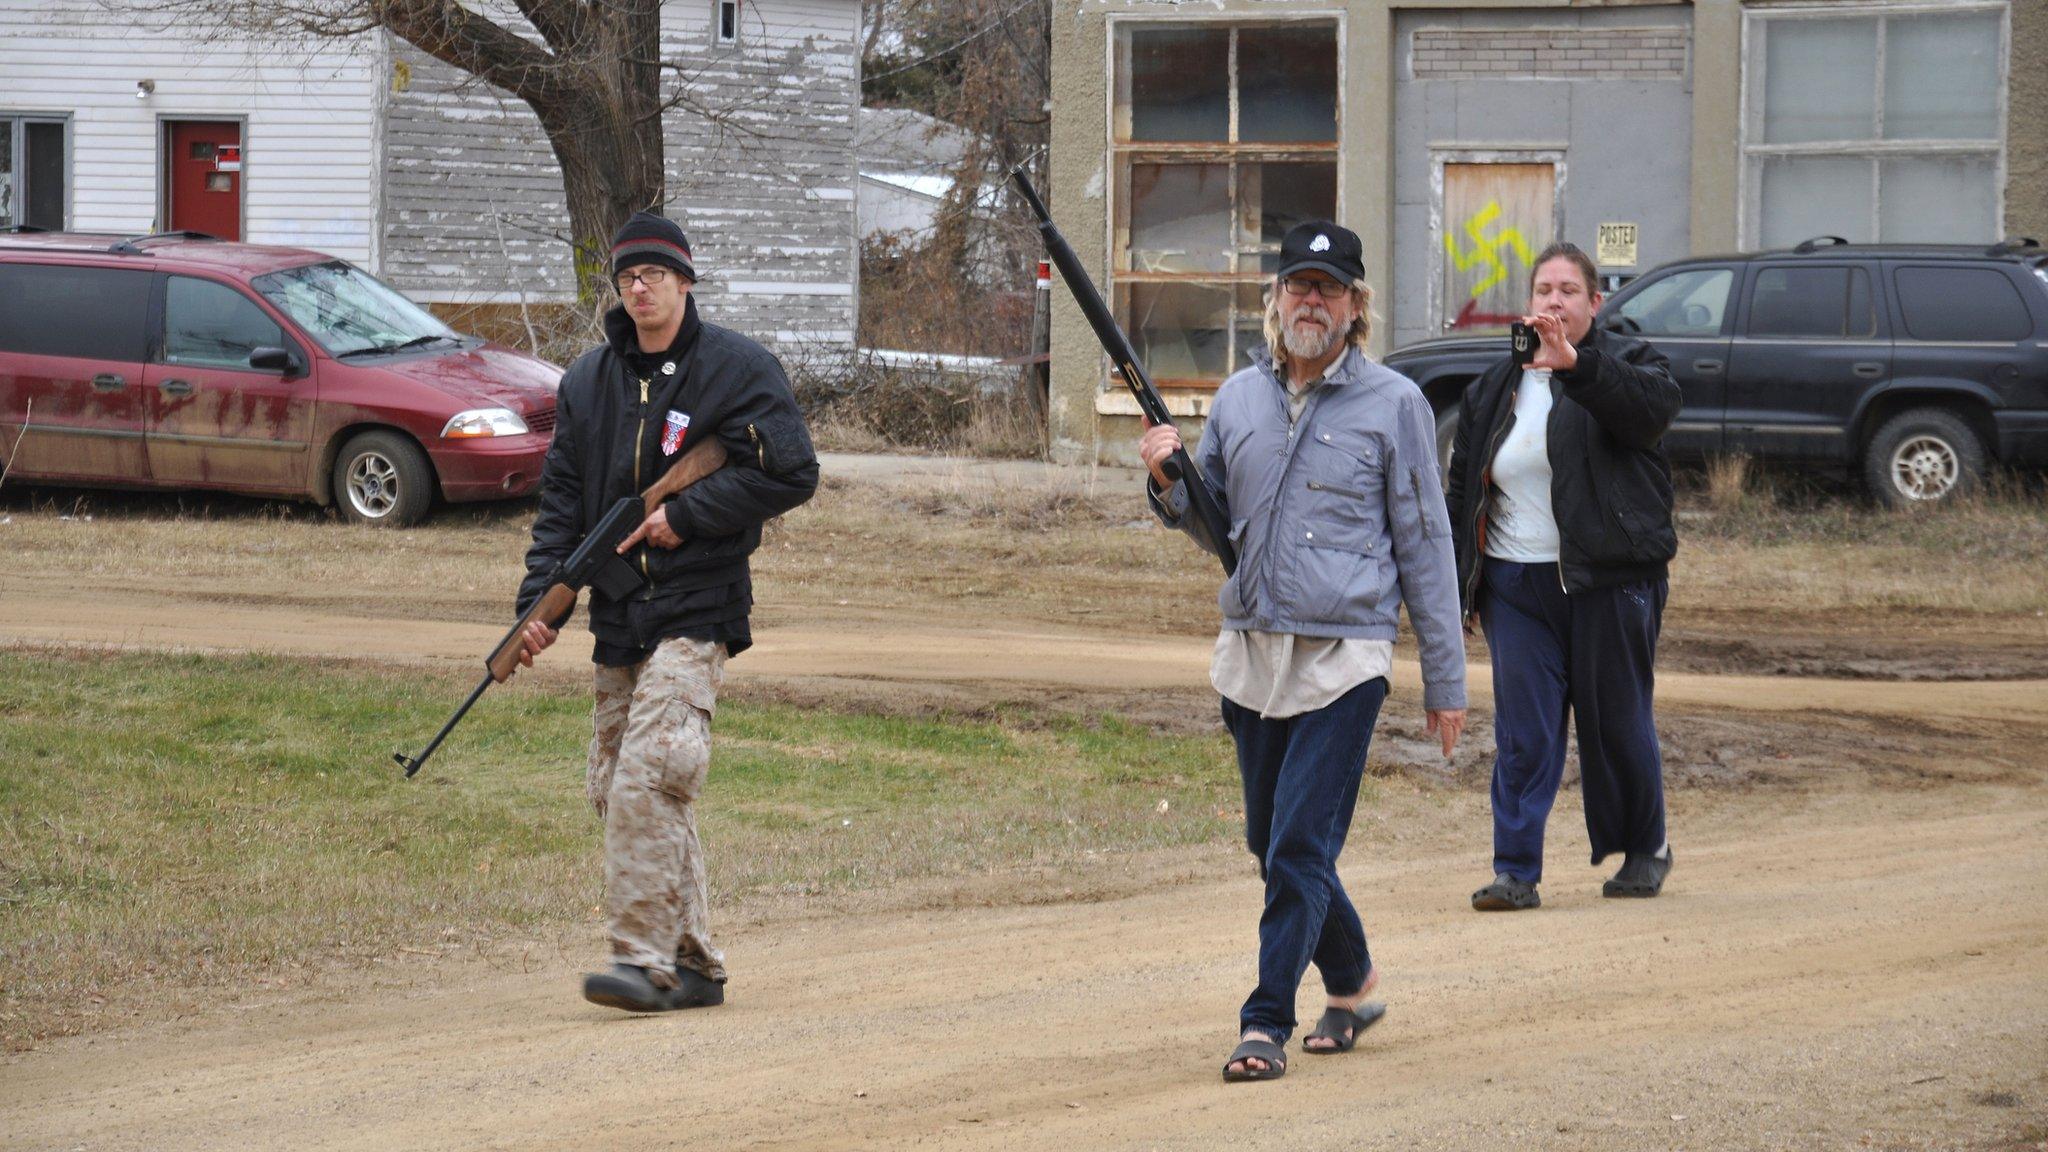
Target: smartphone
(1522, 343)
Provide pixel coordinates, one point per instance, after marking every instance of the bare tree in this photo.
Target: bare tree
(591, 70)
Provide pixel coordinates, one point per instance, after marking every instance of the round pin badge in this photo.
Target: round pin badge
(668, 369)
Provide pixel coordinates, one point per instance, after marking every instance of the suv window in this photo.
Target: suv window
(1961, 304)
(83, 313)
(1812, 302)
(1688, 303)
(211, 325)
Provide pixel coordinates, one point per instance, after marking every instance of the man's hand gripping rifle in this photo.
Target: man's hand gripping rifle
(595, 563)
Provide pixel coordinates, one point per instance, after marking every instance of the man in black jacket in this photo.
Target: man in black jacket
(1560, 503)
(624, 411)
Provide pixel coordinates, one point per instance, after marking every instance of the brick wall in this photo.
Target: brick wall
(1550, 54)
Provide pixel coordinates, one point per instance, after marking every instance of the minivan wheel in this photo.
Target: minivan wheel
(1923, 456)
(383, 478)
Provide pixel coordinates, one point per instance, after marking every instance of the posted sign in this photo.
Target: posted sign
(1616, 246)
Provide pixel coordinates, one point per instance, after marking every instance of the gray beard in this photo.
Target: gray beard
(1307, 344)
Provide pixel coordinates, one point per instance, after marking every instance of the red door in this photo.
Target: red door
(205, 177)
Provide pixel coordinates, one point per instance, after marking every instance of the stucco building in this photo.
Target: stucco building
(1458, 138)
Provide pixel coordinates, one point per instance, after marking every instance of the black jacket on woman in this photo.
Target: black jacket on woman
(611, 409)
(1610, 484)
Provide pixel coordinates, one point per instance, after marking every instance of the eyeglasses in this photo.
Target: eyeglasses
(648, 276)
(1327, 289)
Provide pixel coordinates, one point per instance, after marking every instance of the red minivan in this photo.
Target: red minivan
(179, 361)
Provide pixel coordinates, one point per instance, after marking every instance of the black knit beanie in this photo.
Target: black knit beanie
(651, 239)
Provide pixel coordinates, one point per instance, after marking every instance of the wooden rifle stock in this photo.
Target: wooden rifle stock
(559, 600)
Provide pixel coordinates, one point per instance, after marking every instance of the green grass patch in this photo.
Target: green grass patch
(184, 818)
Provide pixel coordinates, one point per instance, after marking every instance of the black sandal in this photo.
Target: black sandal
(1506, 894)
(1344, 1027)
(1274, 1056)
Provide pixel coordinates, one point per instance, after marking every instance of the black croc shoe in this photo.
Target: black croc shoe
(1641, 877)
(1505, 894)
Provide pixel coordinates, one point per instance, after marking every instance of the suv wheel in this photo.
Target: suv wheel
(1446, 433)
(382, 478)
(1922, 456)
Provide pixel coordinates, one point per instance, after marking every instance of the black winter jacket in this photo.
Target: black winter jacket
(607, 445)
(1610, 484)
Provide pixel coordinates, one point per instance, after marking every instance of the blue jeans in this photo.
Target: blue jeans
(1588, 656)
(1301, 779)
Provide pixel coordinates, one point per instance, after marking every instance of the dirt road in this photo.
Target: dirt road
(1854, 962)
(1845, 973)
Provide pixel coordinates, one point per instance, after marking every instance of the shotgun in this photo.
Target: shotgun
(596, 563)
(1178, 466)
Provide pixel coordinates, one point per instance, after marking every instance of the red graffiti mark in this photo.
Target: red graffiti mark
(1471, 317)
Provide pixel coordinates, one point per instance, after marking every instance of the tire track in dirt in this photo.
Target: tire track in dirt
(858, 644)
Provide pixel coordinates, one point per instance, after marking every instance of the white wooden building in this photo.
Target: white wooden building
(122, 120)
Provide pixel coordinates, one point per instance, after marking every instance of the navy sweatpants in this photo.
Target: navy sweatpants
(1589, 655)
(1301, 778)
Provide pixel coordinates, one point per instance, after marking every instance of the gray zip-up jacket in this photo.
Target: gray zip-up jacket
(1337, 519)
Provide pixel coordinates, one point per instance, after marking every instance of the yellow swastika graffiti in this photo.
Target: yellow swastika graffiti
(1486, 250)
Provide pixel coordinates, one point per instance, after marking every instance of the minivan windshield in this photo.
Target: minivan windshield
(349, 311)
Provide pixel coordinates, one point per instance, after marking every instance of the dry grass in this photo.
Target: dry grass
(1063, 547)
(179, 822)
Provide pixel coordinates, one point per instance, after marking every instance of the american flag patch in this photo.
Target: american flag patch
(672, 431)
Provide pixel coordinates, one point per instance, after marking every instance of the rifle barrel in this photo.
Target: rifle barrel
(412, 764)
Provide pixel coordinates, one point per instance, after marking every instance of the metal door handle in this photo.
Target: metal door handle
(176, 387)
(1706, 367)
(109, 382)
(1868, 371)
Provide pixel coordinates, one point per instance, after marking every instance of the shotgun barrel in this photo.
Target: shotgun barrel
(1201, 500)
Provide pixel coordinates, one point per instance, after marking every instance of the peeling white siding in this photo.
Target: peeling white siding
(309, 158)
(762, 179)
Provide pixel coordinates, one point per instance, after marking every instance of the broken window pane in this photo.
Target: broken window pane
(1181, 332)
(1941, 77)
(1287, 83)
(1250, 324)
(1177, 85)
(1180, 218)
(1820, 80)
(1938, 199)
(1274, 197)
(1808, 196)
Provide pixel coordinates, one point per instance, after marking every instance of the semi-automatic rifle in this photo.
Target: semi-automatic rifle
(1201, 501)
(595, 563)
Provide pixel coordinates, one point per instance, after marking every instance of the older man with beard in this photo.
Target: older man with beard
(1325, 463)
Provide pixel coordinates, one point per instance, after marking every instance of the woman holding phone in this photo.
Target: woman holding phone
(1560, 506)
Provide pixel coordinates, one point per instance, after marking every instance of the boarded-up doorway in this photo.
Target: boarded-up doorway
(1493, 215)
(203, 177)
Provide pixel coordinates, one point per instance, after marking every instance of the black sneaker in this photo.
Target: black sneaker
(1506, 894)
(627, 986)
(1641, 877)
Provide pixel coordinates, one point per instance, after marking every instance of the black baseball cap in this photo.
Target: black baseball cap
(1325, 246)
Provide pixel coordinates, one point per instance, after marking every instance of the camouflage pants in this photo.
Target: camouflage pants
(649, 755)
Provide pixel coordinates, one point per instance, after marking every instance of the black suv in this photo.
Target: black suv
(1916, 364)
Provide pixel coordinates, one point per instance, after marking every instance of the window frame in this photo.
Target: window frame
(718, 10)
(160, 326)
(1753, 153)
(1880, 303)
(1122, 155)
(18, 160)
